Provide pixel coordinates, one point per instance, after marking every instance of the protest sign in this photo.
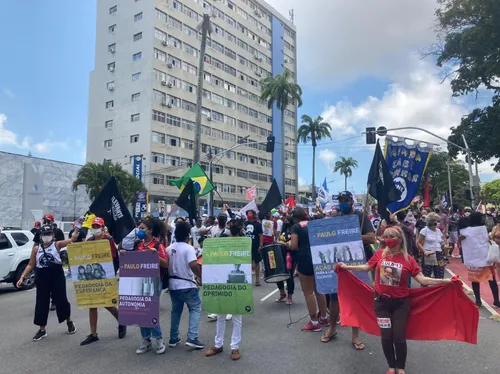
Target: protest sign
(475, 246)
(93, 274)
(227, 275)
(139, 289)
(334, 240)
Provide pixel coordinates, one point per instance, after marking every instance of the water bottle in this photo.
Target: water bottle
(288, 261)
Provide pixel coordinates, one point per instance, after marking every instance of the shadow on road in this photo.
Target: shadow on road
(8, 289)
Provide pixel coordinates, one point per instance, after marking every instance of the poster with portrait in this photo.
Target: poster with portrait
(93, 274)
(335, 240)
(227, 275)
(139, 289)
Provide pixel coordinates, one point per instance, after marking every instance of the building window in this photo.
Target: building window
(113, 9)
(110, 104)
(172, 160)
(111, 29)
(137, 36)
(112, 48)
(135, 97)
(158, 179)
(158, 137)
(173, 121)
(158, 158)
(137, 56)
(108, 124)
(138, 17)
(188, 87)
(134, 138)
(173, 141)
(110, 86)
(135, 117)
(108, 143)
(136, 76)
(187, 144)
(111, 66)
(158, 116)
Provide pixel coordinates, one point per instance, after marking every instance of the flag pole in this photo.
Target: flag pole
(365, 206)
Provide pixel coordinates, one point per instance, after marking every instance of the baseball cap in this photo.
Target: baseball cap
(46, 229)
(345, 195)
(49, 217)
(98, 221)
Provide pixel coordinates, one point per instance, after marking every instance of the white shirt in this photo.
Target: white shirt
(43, 258)
(216, 231)
(433, 239)
(180, 255)
(279, 224)
(267, 227)
(129, 240)
(195, 235)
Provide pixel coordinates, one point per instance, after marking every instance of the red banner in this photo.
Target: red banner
(251, 193)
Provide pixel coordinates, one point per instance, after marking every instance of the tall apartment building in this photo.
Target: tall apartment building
(143, 92)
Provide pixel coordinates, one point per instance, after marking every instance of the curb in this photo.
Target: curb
(494, 314)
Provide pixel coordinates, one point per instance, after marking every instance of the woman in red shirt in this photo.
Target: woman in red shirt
(151, 231)
(393, 266)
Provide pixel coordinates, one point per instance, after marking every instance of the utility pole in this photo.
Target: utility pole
(471, 178)
(449, 183)
(211, 194)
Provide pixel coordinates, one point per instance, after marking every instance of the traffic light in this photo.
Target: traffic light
(270, 144)
(371, 135)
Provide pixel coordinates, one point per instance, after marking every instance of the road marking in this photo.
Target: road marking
(494, 315)
(269, 295)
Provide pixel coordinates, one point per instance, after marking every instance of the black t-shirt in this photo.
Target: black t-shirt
(366, 229)
(300, 229)
(253, 230)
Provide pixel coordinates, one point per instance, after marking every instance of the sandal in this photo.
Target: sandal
(358, 346)
(325, 338)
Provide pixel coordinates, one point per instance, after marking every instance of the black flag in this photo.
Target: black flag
(381, 184)
(272, 200)
(109, 205)
(186, 200)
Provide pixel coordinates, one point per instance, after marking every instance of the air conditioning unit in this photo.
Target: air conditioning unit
(164, 103)
(111, 88)
(258, 74)
(169, 105)
(111, 69)
(163, 83)
(286, 61)
(169, 65)
(256, 57)
(112, 50)
(209, 118)
(170, 85)
(164, 42)
(257, 13)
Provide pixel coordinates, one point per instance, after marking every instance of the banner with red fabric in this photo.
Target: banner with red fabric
(427, 306)
(427, 193)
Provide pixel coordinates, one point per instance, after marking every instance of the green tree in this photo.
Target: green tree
(282, 91)
(470, 41)
(313, 130)
(437, 172)
(490, 192)
(345, 166)
(95, 175)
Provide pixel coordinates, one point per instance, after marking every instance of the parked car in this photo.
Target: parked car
(15, 252)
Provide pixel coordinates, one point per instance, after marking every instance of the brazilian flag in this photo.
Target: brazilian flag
(202, 185)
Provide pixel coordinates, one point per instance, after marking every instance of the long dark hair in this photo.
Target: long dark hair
(156, 226)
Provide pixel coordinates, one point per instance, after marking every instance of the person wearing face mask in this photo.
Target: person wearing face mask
(253, 230)
(284, 239)
(235, 230)
(489, 221)
(393, 266)
(453, 231)
(150, 231)
(99, 234)
(431, 243)
(346, 207)
(50, 280)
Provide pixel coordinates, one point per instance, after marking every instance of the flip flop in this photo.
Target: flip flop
(326, 339)
(358, 346)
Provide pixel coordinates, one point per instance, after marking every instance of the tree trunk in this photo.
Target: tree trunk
(282, 156)
(345, 183)
(314, 175)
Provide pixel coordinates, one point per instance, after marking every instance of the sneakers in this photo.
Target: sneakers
(257, 283)
(212, 316)
(144, 347)
(160, 346)
(213, 351)
(40, 335)
(312, 327)
(282, 298)
(89, 339)
(289, 300)
(324, 321)
(71, 327)
(229, 317)
(235, 354)
(174, 342)
(122, 331)
(196, 344)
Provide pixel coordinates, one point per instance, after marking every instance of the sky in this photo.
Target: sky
(359, 64)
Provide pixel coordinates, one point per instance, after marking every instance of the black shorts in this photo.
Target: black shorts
(304, 264)
(334, 297)
(256, 257)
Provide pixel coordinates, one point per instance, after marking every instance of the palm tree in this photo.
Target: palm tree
(313, 130)
(282, 91)
(94, 176)
(345, 166)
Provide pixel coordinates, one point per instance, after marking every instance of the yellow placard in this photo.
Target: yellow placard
(93, 274)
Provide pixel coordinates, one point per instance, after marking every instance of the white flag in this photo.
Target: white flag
(250, 206)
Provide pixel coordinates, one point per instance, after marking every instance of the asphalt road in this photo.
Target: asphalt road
(268, 346)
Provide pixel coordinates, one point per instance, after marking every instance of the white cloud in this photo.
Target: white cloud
(302, 181)
(364, 38)
(48, 146)
(9, 137)
(327, 156)
(416, 99)
(9, 93)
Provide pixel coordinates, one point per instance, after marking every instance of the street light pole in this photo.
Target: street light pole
(211, 194)
(449, 183)
(471, 182)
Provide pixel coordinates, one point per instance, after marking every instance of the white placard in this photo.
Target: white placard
(475, 246)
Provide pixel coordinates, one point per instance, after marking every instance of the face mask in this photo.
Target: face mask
(46, 239)
(235, 230)
(467, 214)
(96, 232)
(141, 234)
(345, 208)
(391, 242)
(249, 216)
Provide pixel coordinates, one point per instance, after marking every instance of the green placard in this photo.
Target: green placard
(227, 276)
